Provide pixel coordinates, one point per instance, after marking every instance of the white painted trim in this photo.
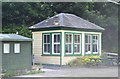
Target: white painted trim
(6, 48)
(83, 44)
(46, 53)
(54, 43)
(100, 42)
(69, 53)
(69, 31)
(78, 44)
(17, 48)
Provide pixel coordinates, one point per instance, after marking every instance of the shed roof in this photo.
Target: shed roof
(13, 37)
(66, 20)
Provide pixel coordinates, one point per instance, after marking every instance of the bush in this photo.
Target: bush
(82, 60)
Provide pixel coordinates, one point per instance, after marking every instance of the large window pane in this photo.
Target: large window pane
(48, 39)
(68, 48)
(56, 48)
(95, 49)
(76, 48)
(56, 38)
(68, 38)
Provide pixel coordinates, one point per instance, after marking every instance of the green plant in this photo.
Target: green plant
(34, 72)
(83, 60)
(15, 73)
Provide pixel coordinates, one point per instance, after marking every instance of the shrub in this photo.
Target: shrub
(83, 60)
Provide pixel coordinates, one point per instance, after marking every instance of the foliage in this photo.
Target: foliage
(83, 61)
(14, 73)
(19, 16)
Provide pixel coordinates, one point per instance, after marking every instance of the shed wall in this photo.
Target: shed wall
(18, 61)
(0, 57)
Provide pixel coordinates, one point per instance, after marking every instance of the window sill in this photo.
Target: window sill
(73, 54)
(50, 55)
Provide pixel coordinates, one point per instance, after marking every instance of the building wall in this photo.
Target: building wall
(37, 50)
(0, 57)
(37, 47)
(17, 61)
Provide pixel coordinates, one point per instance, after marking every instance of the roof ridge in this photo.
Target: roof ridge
(61, 19)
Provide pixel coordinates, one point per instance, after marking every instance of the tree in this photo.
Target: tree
(20, 16)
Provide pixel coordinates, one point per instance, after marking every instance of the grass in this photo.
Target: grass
(15, 73)
(34, 72)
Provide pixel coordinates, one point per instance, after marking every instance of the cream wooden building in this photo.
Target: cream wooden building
(64, 37)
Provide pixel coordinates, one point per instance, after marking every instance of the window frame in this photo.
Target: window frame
(96, 44)
(91, 48)
(69, 43)
(88, 43)
(5, 47)
(79, 43)
(45, 53)
(72, 47)
(18, 47)
(51, 47)
(53, 43)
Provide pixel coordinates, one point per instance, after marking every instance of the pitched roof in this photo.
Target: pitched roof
(13, 37)
(66, 20)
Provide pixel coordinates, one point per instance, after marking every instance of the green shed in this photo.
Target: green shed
(16, 52)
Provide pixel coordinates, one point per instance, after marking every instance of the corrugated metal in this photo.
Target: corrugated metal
(13, 37)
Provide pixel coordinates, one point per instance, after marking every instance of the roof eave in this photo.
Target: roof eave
(66, 28)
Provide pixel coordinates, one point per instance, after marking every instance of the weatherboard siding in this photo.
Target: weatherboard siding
(37, 50)
(37, 47)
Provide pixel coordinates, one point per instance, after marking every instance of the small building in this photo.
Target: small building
(16, 52)
(64, 37)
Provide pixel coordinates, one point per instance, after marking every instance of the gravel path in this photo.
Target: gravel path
(77, 72)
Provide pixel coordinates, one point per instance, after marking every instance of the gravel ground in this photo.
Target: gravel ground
(77, 72)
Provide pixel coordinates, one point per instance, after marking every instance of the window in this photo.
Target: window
(46, 43)
(56, 43)
(16, 48)
(68, 43)
(77, 42)
(91, 44)
(88, 44)
(95, 44)
(6, 48)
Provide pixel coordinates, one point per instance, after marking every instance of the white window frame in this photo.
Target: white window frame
(17, 48)
(45, 43)
(6, 49)
(96, 43)
(53, 43)
(69, 53)
(88, 43)
(78, 43)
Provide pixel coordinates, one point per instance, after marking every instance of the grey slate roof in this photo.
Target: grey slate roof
(66, 20)
(13, 37)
